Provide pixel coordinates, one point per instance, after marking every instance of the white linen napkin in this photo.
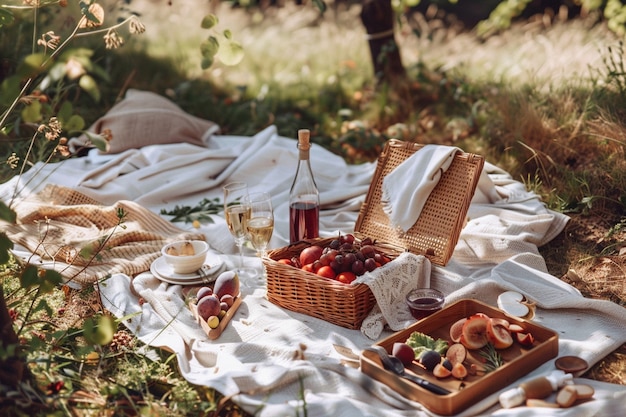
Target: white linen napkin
(406, 188)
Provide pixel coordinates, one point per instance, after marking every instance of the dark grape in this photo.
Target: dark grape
(370, 264)
(349, 238)
(358, 268)
(359, 255)
(368, 251)
(334, 244)
(339, 259)
(349, 258)
(346, 247)
(379, 258)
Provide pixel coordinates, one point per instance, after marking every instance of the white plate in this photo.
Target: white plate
(165, 272)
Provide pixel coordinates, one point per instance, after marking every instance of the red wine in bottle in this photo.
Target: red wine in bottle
(304, 199)
(303, 221)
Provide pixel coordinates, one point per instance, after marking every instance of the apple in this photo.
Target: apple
(310, 254)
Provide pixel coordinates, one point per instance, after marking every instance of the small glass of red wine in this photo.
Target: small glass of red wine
(424, 301)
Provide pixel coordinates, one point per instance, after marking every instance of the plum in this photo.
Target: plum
(209, 306)
(204, 291)
(226, 283)
(403, 352)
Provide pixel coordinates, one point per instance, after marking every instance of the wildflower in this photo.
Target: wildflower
(135, 26)
(13, 160)
(54, 387)
(107, 134)
(49, 40)
(92, 17)
(74, 69)
(113, 40)
(62, 147)
(52, 130)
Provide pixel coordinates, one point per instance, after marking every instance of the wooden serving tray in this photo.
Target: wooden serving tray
(215, 333)
(518, 361)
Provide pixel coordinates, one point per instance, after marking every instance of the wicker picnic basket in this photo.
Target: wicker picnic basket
(434, 235)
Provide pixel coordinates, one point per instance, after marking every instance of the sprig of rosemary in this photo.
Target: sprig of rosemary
(493, 359)
(201, 212)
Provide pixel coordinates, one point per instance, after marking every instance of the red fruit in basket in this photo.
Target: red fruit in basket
(474, 332)
(310, 254)
(285, 261)
(308, 268)
(370, 264)
(358, 268)
(368, 251)
(498, 335)
(346, 277)
(348, 238)
(327, 272)
(403, 352)
(457, 329)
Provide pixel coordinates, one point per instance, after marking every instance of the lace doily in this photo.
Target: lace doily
(390, 284)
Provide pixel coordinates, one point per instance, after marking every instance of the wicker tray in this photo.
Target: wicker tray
(434, 235)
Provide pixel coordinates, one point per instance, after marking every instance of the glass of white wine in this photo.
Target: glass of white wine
(261, 222)
(237, 213)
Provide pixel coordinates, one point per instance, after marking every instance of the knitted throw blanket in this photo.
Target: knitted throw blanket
(86, 241)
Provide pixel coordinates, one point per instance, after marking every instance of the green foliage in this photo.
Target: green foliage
(99, 330)
(200, 213)
(421, 342)
(229, 51)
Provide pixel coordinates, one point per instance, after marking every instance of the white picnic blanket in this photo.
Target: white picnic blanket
(276, 362)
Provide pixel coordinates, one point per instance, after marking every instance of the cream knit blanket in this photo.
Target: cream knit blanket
(86, 241)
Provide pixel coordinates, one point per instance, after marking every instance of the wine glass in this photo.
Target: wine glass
(237, 213)
(261, 223)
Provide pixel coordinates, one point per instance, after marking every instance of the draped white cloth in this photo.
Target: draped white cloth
(273, 361)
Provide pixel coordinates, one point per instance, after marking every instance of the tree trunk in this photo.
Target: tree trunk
(377, 16)
(12, 369)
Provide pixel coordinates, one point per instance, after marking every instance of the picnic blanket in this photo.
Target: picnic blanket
(276, 362)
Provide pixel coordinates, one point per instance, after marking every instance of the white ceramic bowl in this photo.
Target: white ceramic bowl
(185, 256)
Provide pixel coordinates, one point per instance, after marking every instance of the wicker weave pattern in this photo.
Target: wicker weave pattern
(304, 292)
(437, 230)
(435, 235)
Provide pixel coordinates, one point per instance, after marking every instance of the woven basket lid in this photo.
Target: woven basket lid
(437, 230)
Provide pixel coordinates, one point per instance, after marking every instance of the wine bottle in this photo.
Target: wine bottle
(304, 198)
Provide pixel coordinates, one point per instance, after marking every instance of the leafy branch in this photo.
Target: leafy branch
(199, 213)
(493, 359)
